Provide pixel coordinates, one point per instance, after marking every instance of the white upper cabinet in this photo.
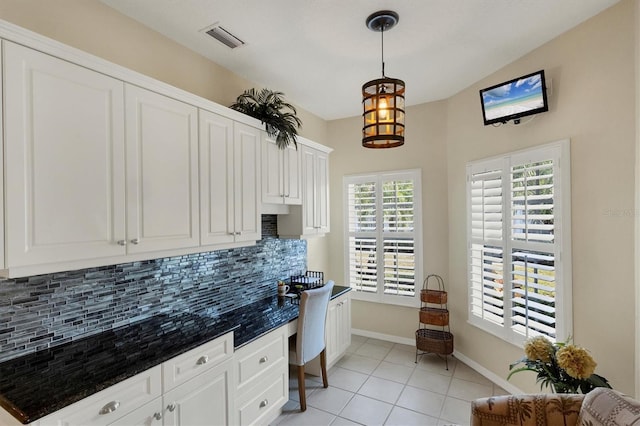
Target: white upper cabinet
(64, 165)
(230, 180)
(162, 172)
(281, 173)
(312, 217)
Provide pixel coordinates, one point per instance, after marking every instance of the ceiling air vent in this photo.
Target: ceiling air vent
(224, 37)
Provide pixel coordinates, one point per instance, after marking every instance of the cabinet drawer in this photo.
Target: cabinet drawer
(149, 414)
(262, 403)
(183, 367)
(111, 404)
(261, 356)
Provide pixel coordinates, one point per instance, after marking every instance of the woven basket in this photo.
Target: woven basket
(433, 296)
(434, 341)
(434, 316)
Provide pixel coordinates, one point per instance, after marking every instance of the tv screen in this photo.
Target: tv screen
(514, 99)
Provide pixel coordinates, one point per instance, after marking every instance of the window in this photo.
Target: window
(383, 236)
(519, 243)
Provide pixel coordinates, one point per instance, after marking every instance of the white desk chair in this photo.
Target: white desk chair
(309, 341)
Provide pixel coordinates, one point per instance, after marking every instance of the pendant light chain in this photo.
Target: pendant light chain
(382, 37)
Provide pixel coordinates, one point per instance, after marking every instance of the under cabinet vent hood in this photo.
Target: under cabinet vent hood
(223, 36)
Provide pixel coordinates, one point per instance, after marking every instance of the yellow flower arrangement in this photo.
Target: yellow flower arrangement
(564, 367)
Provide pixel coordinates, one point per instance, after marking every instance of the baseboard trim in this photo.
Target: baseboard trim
(382, 336)
(498, 380)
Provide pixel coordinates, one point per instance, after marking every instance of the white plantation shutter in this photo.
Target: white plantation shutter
(383, 217)
(398, 237)
(519, 257)
(362, 236)
(486, 264)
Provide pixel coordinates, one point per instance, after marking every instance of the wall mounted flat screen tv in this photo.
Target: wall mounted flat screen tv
(514, 99)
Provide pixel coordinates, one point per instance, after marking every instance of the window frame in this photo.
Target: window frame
(559, 153)
(379, 177)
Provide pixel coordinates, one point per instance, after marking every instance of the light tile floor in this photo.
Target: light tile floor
(379, 383)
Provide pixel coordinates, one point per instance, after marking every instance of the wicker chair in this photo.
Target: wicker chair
(601, 406)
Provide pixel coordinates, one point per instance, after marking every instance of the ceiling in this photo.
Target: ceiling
(320, 52)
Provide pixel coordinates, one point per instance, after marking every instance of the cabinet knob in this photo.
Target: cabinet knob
(237, 233)
(264, 359)
(157, 416)
(171, 407)
(264, 403)
(135, 241)
(203, 360)
(109, 407)
(122, 242)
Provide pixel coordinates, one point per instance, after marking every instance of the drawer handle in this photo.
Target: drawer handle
(171, 407)
(203, 360)
(157, 416)
(135, 241)
(264, 359)
(122, 242)
(110, 407)
(264, 403)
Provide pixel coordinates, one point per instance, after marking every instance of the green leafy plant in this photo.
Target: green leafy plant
(561, 366)
(278, 116)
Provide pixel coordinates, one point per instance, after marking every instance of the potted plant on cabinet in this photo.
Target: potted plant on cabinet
(269, 107)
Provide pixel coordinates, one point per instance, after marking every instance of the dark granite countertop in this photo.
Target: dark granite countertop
(35, 385)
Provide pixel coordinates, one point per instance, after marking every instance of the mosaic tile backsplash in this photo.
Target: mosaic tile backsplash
(46, 310)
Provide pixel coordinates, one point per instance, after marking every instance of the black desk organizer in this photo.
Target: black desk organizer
(300, 283)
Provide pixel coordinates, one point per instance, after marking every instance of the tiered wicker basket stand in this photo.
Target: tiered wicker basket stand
(433, 335)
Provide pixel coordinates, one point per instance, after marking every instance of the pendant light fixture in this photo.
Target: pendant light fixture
(383, 98)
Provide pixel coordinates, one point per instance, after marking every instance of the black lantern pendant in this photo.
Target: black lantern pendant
(383, 98)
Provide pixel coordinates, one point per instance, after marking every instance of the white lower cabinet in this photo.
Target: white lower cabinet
(337, 333)
(209, 385)
(204, 400)
(261, 374)
(192, 389)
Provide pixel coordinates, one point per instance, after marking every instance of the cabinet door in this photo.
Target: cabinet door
(162, 172)
(344, 327)
(332, 331)
(216, 179)
(309, 205)
(292, 179)
(64, 145)
(246, 153)
(203, 400)
(321, 221)
(272, 171)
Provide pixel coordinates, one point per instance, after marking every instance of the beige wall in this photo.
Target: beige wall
(592, 72)
(425, 149)
(93, 27)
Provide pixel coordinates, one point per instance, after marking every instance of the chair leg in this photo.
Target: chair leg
(323, 366)
(301, 390)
